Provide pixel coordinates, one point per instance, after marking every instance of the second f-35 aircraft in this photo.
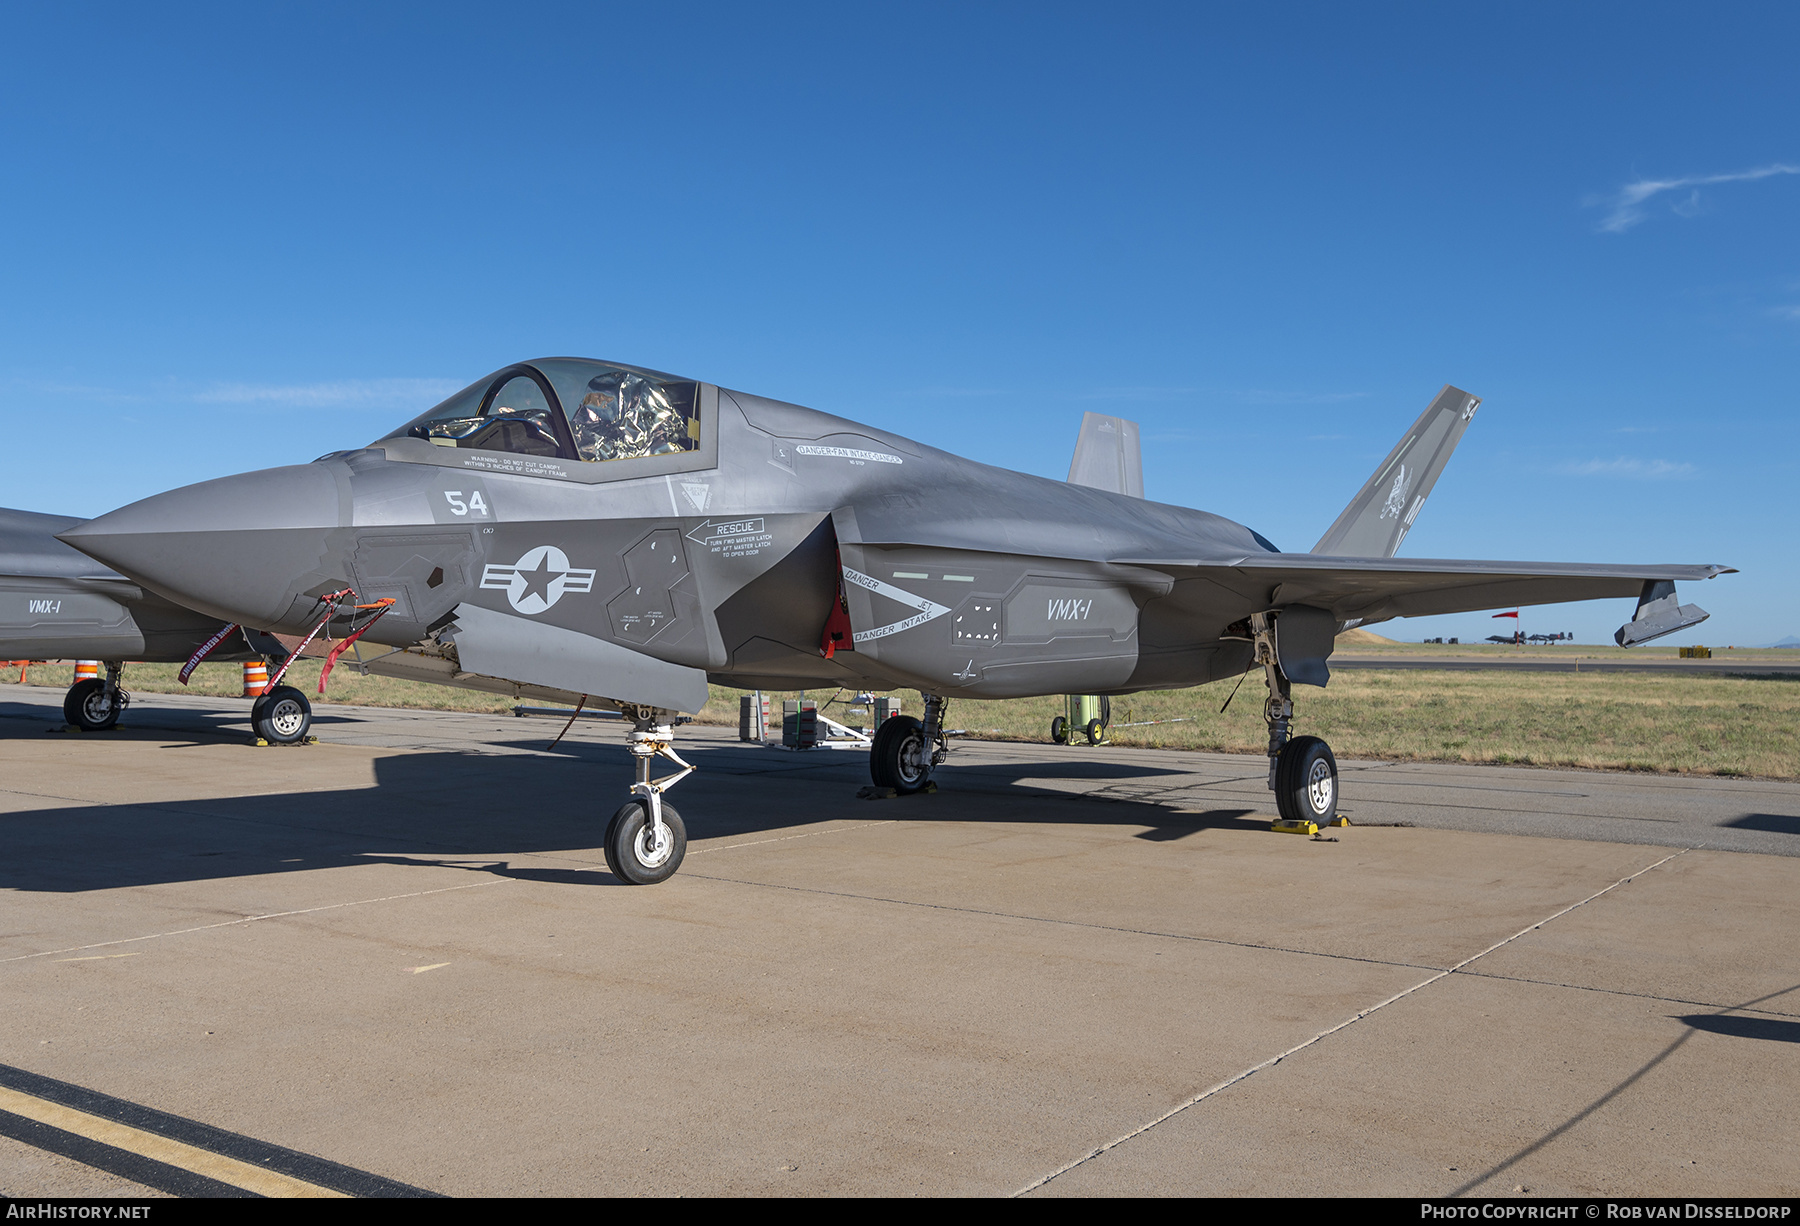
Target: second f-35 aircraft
(568, 527)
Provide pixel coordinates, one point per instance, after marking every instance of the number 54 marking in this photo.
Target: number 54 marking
(474, 505)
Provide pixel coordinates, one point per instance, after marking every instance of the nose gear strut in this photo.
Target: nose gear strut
(646, 839)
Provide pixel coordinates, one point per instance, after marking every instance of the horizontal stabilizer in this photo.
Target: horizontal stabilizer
(1659, 612)
(1108, 456)
(1382, 513)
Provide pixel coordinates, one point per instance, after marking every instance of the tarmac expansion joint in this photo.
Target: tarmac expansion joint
(1360, 1015)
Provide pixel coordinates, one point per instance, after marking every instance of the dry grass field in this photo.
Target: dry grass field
(1720, 725)
(1618, 721)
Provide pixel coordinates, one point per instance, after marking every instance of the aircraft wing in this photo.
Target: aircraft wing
(1375, 589)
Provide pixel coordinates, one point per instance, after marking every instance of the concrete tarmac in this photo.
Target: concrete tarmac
(1071, 971)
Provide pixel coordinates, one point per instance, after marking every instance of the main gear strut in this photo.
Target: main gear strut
(1278, 708)
(1302, 771)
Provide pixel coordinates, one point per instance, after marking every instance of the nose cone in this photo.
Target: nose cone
(253, 549)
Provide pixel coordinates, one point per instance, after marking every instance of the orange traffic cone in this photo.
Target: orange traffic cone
(256, 678)
(87, 670)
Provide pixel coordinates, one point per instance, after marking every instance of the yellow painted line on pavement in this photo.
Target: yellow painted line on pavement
(161, 1149)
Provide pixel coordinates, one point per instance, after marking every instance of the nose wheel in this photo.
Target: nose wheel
(641, 851)
(282, 716)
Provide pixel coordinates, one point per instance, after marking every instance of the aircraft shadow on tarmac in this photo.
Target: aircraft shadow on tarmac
(1772, 1029)
(1774, 823)
(476, 809)
(227, 723)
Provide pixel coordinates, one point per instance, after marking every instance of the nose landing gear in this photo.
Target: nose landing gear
(1303, 772)
(646, 839)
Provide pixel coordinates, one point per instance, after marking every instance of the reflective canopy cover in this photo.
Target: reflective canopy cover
(573, 408)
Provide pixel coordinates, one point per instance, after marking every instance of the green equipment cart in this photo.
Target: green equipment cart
(1087, 715)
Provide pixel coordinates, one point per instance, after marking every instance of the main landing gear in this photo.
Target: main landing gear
(646, 840)
(94, 705)
(1302, 772)
(905, 750)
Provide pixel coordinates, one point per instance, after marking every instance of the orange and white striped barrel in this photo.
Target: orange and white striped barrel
(87, 670)
(256, 678)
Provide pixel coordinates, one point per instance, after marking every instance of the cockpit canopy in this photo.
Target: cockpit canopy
(571, 408)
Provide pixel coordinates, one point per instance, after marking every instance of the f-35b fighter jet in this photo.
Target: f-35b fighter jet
(568, 527)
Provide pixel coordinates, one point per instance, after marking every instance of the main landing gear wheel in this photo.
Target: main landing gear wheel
(1059, 730)
(1306, 781)
(282, 716)
(91, 706)
(900, 757)
(634, 851)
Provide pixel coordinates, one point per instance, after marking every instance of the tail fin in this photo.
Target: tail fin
(1107, 456)
(1379, 517)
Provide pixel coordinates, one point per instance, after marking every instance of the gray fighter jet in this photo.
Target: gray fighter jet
(56, 603)
(567, 528)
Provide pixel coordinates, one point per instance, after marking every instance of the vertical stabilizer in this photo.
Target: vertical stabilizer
(1379, 517)
(1108, 456)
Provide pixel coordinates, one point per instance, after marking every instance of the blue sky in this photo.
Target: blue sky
(241, 236)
